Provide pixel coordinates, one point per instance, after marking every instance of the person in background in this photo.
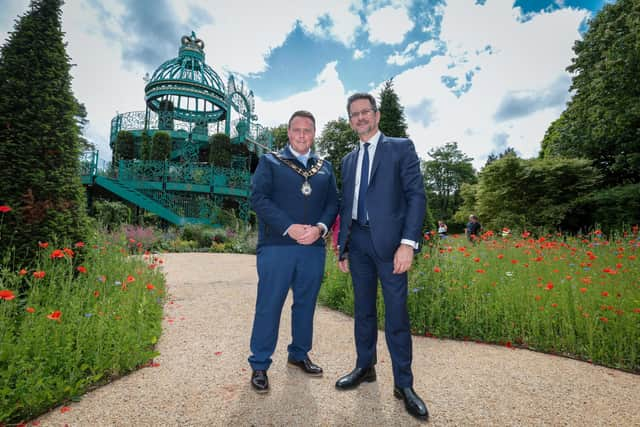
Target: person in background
(442, 229)
(473, 228)
(294, 194)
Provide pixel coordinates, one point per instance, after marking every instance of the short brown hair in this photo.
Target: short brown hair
(302, 113)
(361, 95)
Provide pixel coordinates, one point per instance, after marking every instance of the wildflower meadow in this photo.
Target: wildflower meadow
(572, 296)
(77, 316)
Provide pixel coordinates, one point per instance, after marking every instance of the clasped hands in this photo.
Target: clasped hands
(304, 234)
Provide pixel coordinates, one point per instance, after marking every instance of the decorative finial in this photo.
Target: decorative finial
(192, 42)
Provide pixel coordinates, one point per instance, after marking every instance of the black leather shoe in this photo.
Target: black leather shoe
(260, 381)
(306, 365)
(415, 406)
(355, 377)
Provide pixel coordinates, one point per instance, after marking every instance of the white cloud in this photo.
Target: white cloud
(404, 57)
(389, 25)
(527, 56)
(358, 54)
(427, 47)
(326, 101)
(240, 41)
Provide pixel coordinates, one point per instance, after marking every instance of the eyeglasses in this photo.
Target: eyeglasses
(357, 114)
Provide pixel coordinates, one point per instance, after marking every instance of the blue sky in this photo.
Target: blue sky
(487, 74)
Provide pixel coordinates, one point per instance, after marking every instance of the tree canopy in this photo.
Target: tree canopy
(444, 176)
(392, 119)
(336, 141)
(40, 147)
(602, 121)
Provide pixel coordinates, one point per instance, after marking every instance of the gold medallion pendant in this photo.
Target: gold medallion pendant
(306, 174)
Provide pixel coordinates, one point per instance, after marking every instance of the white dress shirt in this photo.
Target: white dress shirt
(373, 143)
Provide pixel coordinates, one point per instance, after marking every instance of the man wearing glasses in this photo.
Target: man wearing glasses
(382, 210)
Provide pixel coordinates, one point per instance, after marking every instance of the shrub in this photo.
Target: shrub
(111, 214)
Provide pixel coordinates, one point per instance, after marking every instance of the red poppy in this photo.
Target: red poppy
(23, 272)
(476, 259)
(69, 252)
(79, 245)
(583, 290)
(538, 297)
(39, 274)
(130, 279)
(5, 209)
(55, 315)
(43, 245)
(554, 305)
(30, 310)
(436, 269)
(514, 261)
(549, 286)
(96, 294)
(604, 319)
(480, 271)
(7, 294)
(57, 254)
(636, 310)
(150, 286)
(82, 269)
(605, 294)
(65, 409)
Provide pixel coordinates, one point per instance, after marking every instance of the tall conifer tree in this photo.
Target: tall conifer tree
(392, 120)
(39, 137)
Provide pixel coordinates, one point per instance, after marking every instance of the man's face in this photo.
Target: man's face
(301, 133)
(363, 119)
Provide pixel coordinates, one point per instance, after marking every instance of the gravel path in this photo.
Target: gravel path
(203, 377)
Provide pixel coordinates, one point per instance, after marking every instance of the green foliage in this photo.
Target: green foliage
(444, 176)
(161, 146)
(280, 137)
(125, 146)
(602, 121)
(220, 150)
(522, 292)
(39, 136)
(82, 122)
(521, 193)
(392, 120)
(335, 142)
(611, 208)
(145, 149)
(201, 234)
(111, 214)
(108, 325)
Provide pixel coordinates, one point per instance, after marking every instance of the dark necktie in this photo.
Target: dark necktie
(364, 184)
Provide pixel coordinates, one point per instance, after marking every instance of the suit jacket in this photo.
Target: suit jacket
(396, 201)
(277, 200)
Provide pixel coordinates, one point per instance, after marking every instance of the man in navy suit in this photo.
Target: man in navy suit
(381, 215)
(295, 197)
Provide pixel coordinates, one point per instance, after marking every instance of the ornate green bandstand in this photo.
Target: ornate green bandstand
(186, 99)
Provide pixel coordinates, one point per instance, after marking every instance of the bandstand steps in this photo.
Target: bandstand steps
(131, 195)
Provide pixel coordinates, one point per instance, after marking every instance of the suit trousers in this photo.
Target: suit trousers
(366, 268)
(280, 268)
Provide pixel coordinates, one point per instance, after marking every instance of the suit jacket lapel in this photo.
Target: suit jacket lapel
(380, 152)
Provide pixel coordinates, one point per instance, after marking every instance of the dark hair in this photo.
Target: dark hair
(302, 113)
(361, 95)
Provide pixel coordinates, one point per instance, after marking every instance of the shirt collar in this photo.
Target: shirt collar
(295, 153)
(373, 141)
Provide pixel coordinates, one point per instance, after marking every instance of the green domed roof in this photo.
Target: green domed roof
(194, 89)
